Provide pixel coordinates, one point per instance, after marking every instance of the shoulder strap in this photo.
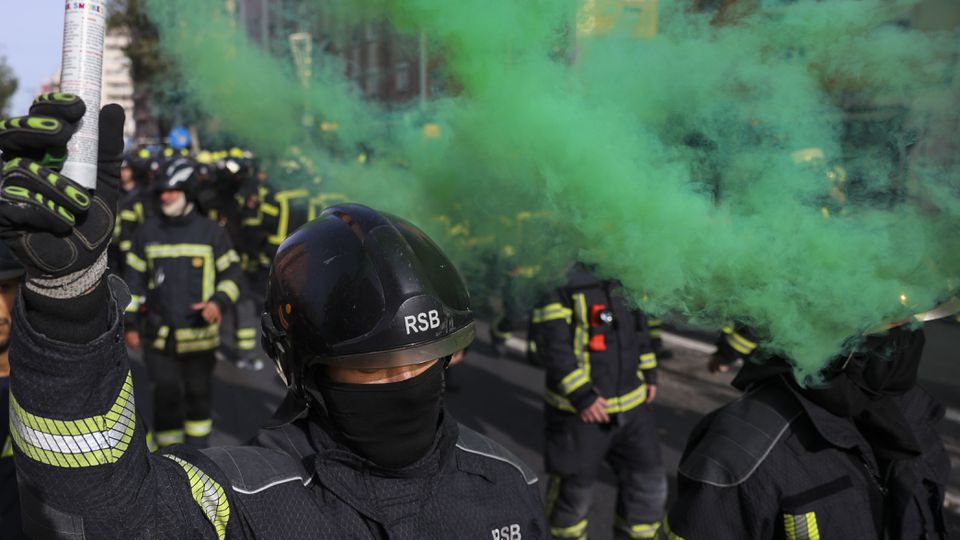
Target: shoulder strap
(474, 443)
(252, 469)
(740, 436)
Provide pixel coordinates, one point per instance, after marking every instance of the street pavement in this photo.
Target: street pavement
(502, 398)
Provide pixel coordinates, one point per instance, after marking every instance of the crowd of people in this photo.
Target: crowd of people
(363, 314)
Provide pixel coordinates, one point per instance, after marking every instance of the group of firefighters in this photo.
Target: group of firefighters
(363, 314)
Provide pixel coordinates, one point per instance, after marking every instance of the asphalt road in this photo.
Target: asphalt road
(502, 397)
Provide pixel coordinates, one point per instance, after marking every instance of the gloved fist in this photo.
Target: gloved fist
(58, 229)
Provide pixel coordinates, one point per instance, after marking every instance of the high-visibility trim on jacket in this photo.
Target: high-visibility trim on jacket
(655, 328)
(576, 531)
(636, 530)
(283, 199)
(7, 448)
(229, 288)
(648, 360)
(736, 340)
(136, 301)
(136, 263)
(581, 340)
(209, 495)
(86, 442)
(801, 526)
(225, 260)
(618, 404)
(552, 312)
(174, 251)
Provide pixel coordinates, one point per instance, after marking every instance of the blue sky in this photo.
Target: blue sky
(30, 39)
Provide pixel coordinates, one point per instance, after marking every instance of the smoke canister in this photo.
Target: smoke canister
(84, 28)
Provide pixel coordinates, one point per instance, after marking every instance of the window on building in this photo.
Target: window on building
(401, 76)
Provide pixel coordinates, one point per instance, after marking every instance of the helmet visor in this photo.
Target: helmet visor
(406, 356)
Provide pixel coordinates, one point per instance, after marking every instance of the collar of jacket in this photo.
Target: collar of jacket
(383, 495)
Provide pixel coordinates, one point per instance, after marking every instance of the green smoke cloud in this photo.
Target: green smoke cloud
(782, 166)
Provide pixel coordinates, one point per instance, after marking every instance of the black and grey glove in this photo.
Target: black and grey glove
(58, 229)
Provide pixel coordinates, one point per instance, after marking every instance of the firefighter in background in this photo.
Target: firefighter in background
(11, 274)
(135, 204)
(182, 273)
(857, 456)
(601, 379)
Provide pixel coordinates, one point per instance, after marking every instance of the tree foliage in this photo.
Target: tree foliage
(8, 85)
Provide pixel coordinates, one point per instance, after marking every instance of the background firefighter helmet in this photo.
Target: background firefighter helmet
(178, 174)
(360, 288)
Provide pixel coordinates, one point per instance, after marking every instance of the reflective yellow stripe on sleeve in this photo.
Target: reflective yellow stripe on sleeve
(736, 340)
(552, 312)
(648, 360)
(229, 287)
(135, 262)
(225, 260)
(209, 496)
(95, 440)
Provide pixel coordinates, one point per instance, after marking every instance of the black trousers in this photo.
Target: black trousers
(575, 451)
(182, 391)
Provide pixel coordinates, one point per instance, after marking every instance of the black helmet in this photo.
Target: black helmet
(10, 267)
(359, 288)
(177, 174)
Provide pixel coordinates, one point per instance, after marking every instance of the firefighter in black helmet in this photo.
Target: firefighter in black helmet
(356, 296)
(183, 273)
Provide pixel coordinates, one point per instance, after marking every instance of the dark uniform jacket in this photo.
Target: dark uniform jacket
(773, 465)
(585, 357)
(9, 498)
(81, 451)
(173, 264)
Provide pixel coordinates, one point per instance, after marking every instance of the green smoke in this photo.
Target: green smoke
(781, 168)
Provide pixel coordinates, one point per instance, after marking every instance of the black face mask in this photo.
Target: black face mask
(391, 424)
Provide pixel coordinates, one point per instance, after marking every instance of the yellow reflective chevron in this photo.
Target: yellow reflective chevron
(209, 496)
(224, 261)
(96, 440)
(576, 531)
(552, 312)
(636, 530)
(801, 526)
(229, 288)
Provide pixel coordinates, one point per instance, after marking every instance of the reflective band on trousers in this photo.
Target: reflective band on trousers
(637, 530)
(96, 440)
(575, 531)
(198, 428)
(209, 495)
(801, 527)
